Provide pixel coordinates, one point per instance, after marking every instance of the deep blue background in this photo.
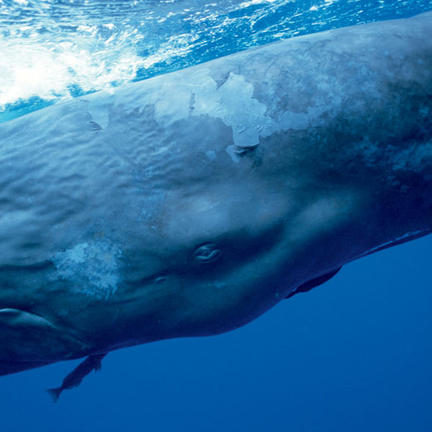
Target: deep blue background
(352, 355)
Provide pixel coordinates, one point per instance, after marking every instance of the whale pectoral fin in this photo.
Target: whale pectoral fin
(27, 338)
(307, 286)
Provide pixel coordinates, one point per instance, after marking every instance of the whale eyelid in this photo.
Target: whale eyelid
(207, 253)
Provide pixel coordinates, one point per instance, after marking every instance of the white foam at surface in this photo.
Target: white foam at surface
(36, 70)
(49, 72)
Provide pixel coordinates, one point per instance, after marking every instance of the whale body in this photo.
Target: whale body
(190, 203)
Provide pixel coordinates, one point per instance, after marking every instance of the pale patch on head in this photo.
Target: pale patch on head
(196, 93)
(92, 268)
(234, 104)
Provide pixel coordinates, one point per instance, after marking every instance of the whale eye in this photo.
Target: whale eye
(207, 253)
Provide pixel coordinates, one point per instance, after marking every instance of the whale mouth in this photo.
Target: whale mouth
(412, 235)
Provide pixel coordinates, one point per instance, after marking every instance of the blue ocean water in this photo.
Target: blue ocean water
(352, 355)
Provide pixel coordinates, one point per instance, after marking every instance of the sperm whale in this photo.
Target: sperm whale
(190, 203)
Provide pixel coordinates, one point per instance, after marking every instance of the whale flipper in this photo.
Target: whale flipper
(307, 286)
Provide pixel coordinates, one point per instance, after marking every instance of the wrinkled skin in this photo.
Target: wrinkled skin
(191, 203)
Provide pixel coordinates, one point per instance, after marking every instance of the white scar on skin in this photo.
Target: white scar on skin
(92, 268)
